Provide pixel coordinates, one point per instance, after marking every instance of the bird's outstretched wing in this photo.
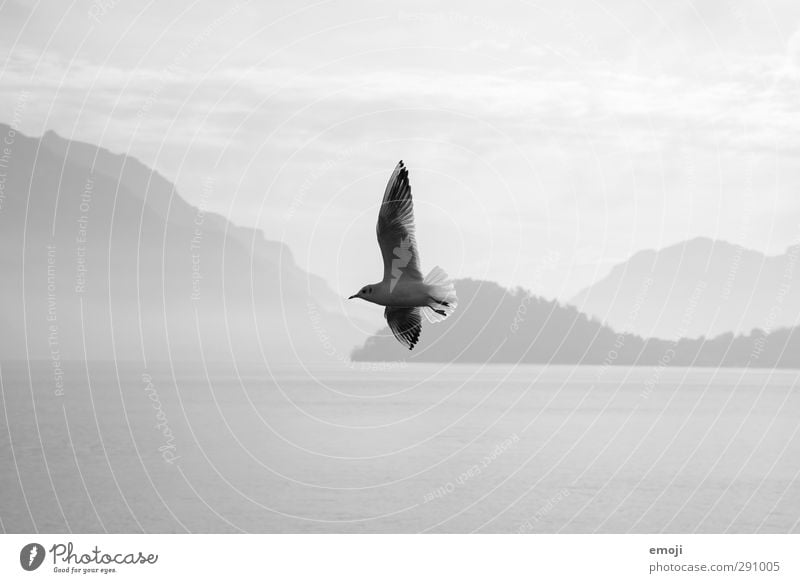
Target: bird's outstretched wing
(405, 324)
(396, 230)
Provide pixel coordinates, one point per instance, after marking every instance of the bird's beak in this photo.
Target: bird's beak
(351, 297)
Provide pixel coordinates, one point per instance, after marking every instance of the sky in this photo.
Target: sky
(545, 142)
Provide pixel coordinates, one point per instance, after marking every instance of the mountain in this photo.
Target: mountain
(697, 288)
(493, 324)
(102, 259)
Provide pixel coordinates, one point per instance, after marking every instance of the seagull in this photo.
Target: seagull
(403, 290)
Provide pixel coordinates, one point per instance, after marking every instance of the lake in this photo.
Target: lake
(397, 448)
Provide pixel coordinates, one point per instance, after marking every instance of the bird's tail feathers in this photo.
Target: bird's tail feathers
(442, 293)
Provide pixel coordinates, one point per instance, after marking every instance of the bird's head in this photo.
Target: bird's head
(365, 293)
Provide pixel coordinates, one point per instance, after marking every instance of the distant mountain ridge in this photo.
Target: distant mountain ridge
(104, 260)
(97, 247)
(494, 324)
(736, 290)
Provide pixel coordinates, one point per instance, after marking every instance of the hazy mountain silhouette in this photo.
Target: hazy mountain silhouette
(87, 232)
(103, 259)
(493, 324)
(735, 290)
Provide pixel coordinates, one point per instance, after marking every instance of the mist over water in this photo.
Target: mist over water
(398, 448)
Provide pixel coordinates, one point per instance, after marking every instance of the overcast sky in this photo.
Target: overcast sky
(545, 141)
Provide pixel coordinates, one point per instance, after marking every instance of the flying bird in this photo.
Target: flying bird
(403, 290)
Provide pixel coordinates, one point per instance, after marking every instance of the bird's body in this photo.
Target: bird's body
(406, 294)
(403, 289)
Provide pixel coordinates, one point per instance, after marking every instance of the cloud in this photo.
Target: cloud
(537, 94)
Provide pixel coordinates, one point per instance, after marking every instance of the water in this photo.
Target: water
(413, 448)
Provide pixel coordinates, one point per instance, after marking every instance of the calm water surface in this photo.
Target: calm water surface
(405, 449)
